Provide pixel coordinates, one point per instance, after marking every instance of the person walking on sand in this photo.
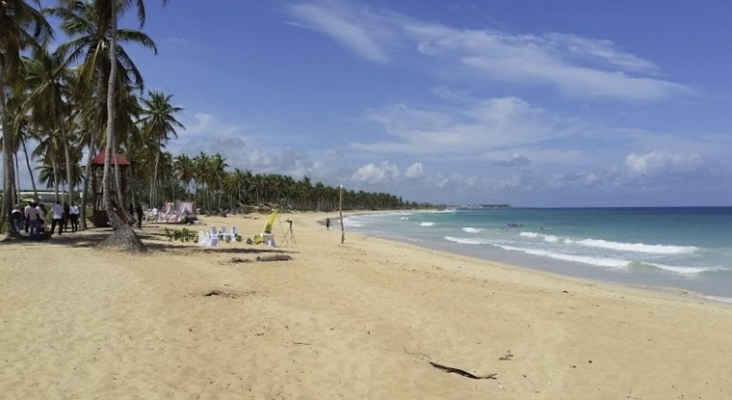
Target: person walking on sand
(74, 217)
(327, 224)
(57, 217)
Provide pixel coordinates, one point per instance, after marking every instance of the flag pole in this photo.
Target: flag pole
(340, 210)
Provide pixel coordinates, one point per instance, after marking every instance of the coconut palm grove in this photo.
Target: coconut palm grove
(63, 103)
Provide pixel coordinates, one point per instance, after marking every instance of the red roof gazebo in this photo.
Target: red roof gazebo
(100, 218)
(120, 159)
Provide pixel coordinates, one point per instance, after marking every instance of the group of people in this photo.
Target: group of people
(34, 219)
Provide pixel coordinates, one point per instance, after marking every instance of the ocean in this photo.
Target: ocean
(658, 248)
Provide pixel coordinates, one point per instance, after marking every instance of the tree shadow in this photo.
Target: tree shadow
(238, 250)
(155, 242)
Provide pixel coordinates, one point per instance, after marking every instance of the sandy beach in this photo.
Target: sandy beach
(361, 320)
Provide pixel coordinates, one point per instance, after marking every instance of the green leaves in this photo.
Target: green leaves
(182, 235)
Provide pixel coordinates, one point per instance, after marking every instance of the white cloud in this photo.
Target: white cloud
(414, 171)
(603, 51)
(376, 174)
(562, 61)
(201, 126)
(358, 30)
(472, 126)
(446, 181)
(576, 66)
(515, 160)
(259, 160)
(642, 173)
(573, 180)
(661, 162)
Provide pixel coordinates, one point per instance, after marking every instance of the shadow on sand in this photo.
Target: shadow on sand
(156, 242)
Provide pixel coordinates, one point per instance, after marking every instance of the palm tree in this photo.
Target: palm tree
(159, 121)
(21, 131)
(200, 173)
(217, 172)
(123, 235)
(22, 27)
(184, 171)
(48, 151)
(49, 82)
(89, 23)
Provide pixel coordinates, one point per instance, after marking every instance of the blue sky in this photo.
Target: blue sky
(533, 103)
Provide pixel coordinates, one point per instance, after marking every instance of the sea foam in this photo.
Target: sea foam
(465, 240)
(676, 269)
(427, 224)
(472, 230)
(596, 261)
(534, 235)
(637, 247)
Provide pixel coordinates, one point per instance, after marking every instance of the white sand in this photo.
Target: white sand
(355, 321)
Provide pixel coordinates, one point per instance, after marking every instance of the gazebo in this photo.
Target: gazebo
(100, 218)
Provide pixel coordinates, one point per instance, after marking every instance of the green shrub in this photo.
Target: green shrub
(183, 235)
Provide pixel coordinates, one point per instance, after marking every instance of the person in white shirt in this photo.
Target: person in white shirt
(17, 219)
(25, 217)
(57, 217)
(74, 216)
(33, 216)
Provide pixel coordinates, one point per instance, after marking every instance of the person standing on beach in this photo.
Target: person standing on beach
(327, 224)
(33, 218)
(25, 216)
(67, 209)
(17, 219)
(42, 234)
(139, 212)
(57, 217)
(74, 216)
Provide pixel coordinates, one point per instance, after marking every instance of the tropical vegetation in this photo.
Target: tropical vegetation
(61, 104)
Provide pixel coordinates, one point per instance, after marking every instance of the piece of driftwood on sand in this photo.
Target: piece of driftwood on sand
(462, 372)
(273, 257)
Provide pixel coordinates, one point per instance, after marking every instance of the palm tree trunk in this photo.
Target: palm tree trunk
(154, 186)
(8, 176)
(16, 200)
(131, 180)
(107, 200)
(150, 193)
(30, 170)
(118, 181)
(55, 176)
(123, 236)
(67, 156)
(87, 178)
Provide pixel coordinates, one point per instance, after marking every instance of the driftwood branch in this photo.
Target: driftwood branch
(463, 373)
(274, 257)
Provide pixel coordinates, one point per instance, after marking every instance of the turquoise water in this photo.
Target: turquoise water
(685, 248)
